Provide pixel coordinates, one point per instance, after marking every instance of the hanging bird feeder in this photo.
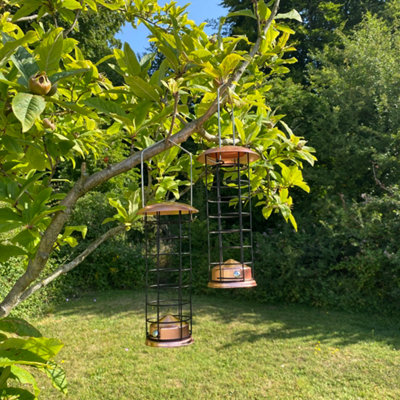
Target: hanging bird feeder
(229, 219)
(168, 310)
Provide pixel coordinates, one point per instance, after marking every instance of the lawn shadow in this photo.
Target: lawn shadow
(263, 321)
(285, 322)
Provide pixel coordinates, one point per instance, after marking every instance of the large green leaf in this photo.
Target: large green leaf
(65, 74)
(106, 106)
(19, 327)
(142, 89)
(50, 50)
(24, 377)
(10, 46)
(27, 108)
(8, 251)
(131, 61)
(25, 64)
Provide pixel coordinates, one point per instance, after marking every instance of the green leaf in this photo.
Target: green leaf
(7, 251)
(40, 348)
(28, 7)
(71, 5)
(242, 13)
(25, 64)
(10, 46)
(15, 393)
(65, 74)
(290, 15)
(78, 228)
(24, 377)
(19, 327)
(114, 5)
(142, 89)
(57, 376)
(50, 50)
(131, 61)
(293, 221)
(27, 108)
(229, 63)
(109, 107)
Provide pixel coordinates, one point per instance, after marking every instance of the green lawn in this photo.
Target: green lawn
(242, 350)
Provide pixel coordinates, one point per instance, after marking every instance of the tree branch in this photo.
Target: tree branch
(71, 265)
(71, 28)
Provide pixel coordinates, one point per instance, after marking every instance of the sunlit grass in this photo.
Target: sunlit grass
(242, 350)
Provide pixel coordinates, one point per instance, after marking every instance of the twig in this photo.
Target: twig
(70, 29)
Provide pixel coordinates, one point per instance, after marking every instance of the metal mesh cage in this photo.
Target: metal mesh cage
(228, 196)
(168, 274)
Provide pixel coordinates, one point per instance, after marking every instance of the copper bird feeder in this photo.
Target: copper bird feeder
(168, 305)
(228, 193)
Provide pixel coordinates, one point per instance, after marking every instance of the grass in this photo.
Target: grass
(242, 350)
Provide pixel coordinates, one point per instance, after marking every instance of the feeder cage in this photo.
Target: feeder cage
(168, 274)
(228, 196)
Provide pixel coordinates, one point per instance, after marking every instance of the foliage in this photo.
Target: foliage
(83, 114)
(22, 345)
(322, 20)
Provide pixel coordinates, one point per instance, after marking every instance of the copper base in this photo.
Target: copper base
(173, 343)
(230, 275)
(232, 285)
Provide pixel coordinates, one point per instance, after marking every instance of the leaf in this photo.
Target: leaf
(27, 108)
(40, 348)
(293, 221)
(71, 5)
(10, 46)
(27, 8)
(142, 89)
(19, 327)
(242, 13)
(25, 64)
(131, 61)
(229, 63)
(106, 106)
(64, 74)
(15, 393)
(50, 50)
(114, 5)
(24, 377)
(290, 15)
(57, 376)
(8, 251)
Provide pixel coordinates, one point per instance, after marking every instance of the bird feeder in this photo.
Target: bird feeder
(228, 196)
(229, 220)
(168, 304)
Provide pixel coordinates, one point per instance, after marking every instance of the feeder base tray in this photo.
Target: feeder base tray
(172, 343)
(232, 285)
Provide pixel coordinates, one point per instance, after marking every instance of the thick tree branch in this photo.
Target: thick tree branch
(85, 184)
(71, 265)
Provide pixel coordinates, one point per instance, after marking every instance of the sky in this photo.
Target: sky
(199, 11)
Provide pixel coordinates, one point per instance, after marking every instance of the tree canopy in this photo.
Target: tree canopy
(57, 109)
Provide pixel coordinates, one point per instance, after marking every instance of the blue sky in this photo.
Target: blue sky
(199, 11)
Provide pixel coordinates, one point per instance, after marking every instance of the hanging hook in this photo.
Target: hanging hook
(219, 119)
(191, 168)
(142, 172)
(233, 122)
